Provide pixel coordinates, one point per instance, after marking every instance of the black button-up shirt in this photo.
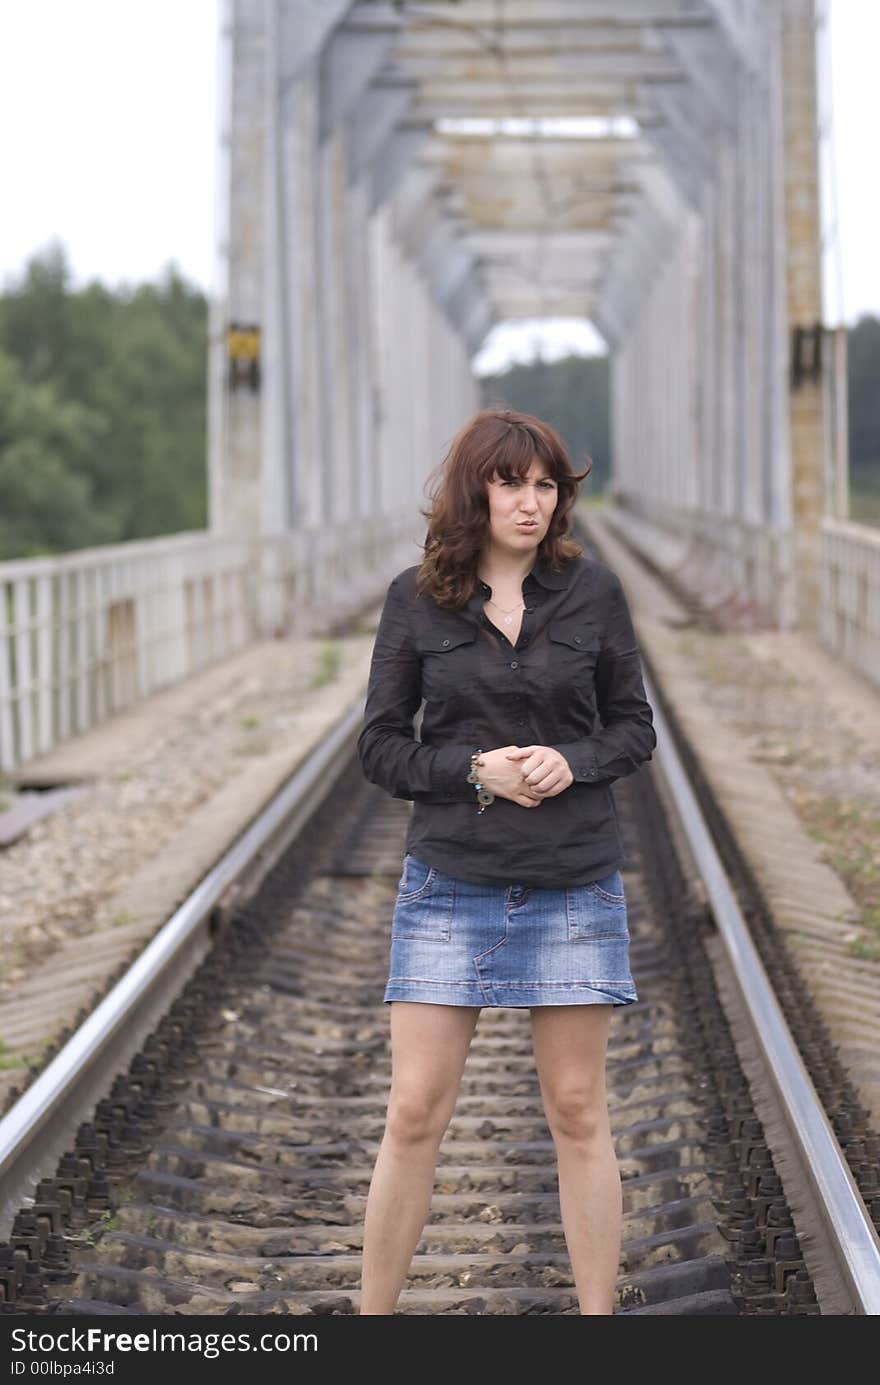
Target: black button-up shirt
(572, 681)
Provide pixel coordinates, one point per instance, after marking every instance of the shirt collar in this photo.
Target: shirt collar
(543, 572)
(540, 571)
(557, 581)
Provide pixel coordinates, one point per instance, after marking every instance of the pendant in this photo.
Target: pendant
(508, 620)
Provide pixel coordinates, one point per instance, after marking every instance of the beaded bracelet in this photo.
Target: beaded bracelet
(484, 796)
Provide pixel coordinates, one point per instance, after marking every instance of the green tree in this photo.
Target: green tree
(126, 372)
(863, 391)
(47, 503)
(863, 382)
(34, 317)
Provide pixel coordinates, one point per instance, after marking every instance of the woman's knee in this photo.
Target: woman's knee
(415, 1117)
(576, 1116)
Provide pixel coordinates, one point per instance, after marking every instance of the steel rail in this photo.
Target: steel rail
(38, 1129)
(847, 1223)
(35, 1133)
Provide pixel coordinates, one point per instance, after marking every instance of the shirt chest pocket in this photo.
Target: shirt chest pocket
(446, 654)
(574, 647)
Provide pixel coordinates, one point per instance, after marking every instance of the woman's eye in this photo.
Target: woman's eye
(547, 485)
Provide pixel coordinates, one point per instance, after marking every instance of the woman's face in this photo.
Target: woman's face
(520, 511)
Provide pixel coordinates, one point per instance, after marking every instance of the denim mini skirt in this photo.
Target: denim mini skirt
(456, 943)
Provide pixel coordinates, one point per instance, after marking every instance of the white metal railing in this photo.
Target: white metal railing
(750, 569)
(850, 567)
(86, 634)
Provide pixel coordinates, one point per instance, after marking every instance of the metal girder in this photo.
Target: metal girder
(303, 28)
(435, 243)
(615, 101)
(557, 244)
(530, 69)
(450, 273)
(576, 214)
(420, 183)
(481, 318)
(471, 152)
(710, 67)
(687, 181)
(660, 191)
(415, 205)
(549, 284)
(348, 63)
(534, 224)
(643, 246)
(571, 92)
(605, 324)
(401, 149)
(683, 117)
(470, 210)
(744, 29)
(470, 287)
(372, 122)
(546, 14)
(520, 188)
(513, 308)
(462, 43)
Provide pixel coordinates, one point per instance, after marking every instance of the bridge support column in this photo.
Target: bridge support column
(335, 380)
(807, 399)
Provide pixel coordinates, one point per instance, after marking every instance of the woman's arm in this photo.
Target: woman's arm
(389, 754)
(627, 737)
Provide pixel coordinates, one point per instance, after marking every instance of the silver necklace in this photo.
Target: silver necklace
(508, 615)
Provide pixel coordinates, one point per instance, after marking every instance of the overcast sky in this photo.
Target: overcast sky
(109, 120)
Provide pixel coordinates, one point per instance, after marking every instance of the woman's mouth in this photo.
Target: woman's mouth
(528, 524)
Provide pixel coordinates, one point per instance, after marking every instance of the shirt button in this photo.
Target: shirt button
(593, 774)
(445, 643)
(514, 664)
(577, 639)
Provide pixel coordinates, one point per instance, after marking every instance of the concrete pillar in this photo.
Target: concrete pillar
(237, 415)
(265, 443)
(364, 376)
(804, 293)
(305, 464)
(742, 272)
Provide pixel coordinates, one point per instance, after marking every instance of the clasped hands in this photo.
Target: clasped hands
(526, 774)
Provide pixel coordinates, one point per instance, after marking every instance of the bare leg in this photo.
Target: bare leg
(570, 1043)
(429, 1048)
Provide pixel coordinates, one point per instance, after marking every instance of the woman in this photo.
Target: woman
(511, 892)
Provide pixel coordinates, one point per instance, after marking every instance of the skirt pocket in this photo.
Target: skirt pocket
(597, 910)
(424, 904)
(415, 881)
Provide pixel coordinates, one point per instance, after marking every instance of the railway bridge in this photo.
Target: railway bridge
(394, 180)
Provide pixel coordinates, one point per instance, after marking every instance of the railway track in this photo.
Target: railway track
(226, 1171)
(214, 1156)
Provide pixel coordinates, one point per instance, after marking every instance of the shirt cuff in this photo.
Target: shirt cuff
(450, 770)
(581, 761)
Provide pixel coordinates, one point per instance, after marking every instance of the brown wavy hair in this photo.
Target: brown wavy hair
(500, 442)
